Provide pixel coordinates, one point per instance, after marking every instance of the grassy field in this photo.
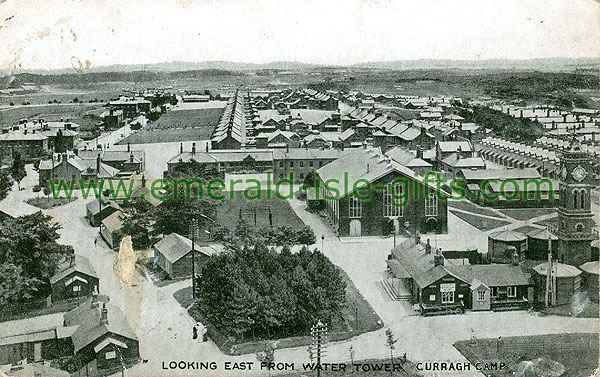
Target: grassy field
(471, 207)
(578, 353)
(479, 222)
(358, 318)
(527, 213)
(175, 126)
(72, 111)
(47, 203)
(228, 212)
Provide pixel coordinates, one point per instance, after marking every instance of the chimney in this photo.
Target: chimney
(428, 247)
(193, 149)
(417, 237)
(420, 152)
(128, 147)
(64, 156)
(130, 156)
(98, 162)
(368, 168)
(438, 258)
(521, 113)
(104, 315)
(180, 147)
(547, 112)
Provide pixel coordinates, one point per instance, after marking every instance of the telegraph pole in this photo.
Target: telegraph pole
(318, 347)
(193, 232)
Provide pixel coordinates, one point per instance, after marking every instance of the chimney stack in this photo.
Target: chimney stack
(104, 315)
(438, 258)
(193, 149)
(180, 147)
(128, 147)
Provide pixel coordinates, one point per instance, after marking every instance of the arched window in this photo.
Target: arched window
(431, 205)
(575, 198)
(393, 203)
(582, 198)
(579, 227)
(354, 207)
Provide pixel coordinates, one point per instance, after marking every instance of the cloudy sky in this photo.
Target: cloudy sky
(54, 33)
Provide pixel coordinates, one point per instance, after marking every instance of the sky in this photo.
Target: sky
(52, 34)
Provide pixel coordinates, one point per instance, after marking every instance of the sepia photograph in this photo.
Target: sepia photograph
(299, 188)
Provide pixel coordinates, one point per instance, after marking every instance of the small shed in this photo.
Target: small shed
(174, 255)
(568, 282)
(76, 277)
(500, 242)
(111, 227)
(591, 272)
(97, 210)
(537, 243)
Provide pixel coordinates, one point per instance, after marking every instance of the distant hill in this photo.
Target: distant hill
(214, 67)
(547, 64)
(49, 78)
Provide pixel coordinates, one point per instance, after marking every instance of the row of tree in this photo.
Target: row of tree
(259, 293)
(244, 234)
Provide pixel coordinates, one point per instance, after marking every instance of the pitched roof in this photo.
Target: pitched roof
(492, 275)
(419, 264)
(175, 246)
(36, 369)
(453, 146)
(456, 161)
(500, 174)
(77, 264)
(591, 267)
(364, 163)
(87, 317)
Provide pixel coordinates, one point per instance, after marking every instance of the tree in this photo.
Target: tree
(17, 169)
(174, 215)
(267, 355)
(5, 184)
(47, 192)
(28, 248)
(305, 236)
(391, 343)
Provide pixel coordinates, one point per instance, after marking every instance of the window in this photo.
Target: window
(544, 195)
(393, 203)
(354, 207)
(110, 355)
(579, 227)
(76, 288)
(320, 163)
(575, 197)
(447, 297)
(494, 292)
(582, 199)
(480, 295)
(512, 292)
(280, 164)
(431, 205)
(431, 297)
(291, 164)
(301, 164)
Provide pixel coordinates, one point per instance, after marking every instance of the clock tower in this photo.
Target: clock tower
(575, 218)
